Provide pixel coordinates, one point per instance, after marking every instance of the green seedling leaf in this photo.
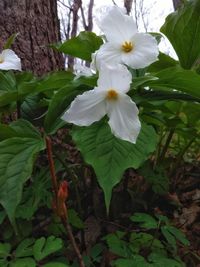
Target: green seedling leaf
(145, 220)
(178, 235)
(74, 219)
(44, 247)
(169, 237)
(25, 248)
(10, 40)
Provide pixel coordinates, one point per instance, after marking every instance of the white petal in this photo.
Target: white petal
(124, 121)
(109, 53)
(117, 26)
(10, 60)
(144, 53)
(86, 108)
(114, 77)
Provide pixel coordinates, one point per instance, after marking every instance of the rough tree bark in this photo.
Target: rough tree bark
(176, 4)
(38, 25)
(128, 5)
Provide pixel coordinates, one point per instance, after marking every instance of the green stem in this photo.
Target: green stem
(180, 156)
(166, 146)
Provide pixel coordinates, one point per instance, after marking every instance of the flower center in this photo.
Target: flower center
(1, 60)
(112, 95)
(127, 47)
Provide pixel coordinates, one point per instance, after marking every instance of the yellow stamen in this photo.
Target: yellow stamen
(1, 60)
(112, 95)
(127, 47)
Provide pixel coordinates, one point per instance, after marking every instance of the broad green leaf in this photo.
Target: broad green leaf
(81, 46)
(54, 80)
(186, 81)
(110, 156)
(164, 61)
(44, 247)
(26, 262)
(25, 248)
(24, 128)
(145, 220)
(182, 28)
(17, 158)
(19, 128)
(58, 105)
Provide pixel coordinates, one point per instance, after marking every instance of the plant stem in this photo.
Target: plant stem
(73, 242)
(55, 189)
(180, 156)
(165, 148)
(78, 198)
(52, 166)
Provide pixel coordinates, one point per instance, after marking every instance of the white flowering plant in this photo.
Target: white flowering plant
(124, 120)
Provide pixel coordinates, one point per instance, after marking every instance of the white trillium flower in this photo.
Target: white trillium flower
(125, 45)
(109, 97)
(9, 60)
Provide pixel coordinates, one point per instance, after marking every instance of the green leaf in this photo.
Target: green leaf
(17, 157)
(116, 245)
(44, 247)
(58, 105)
(141, 241)
(25, 248)
(5, 249)
(136, 261)
(164, 61)
(54, 80)
(24, 128)
(182, 28)
(74, 219)
(158, 261)
(186, 81)
(81, 46)
(145, 220)
(110, 156)
(55, 264)
(157, 178)
(27, 262)
(10, 41)
(178, 235)
(169, 237)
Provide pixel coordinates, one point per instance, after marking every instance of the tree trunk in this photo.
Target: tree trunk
(176, 4)
(38, 25)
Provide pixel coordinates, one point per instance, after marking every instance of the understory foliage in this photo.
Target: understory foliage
(98, 175)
